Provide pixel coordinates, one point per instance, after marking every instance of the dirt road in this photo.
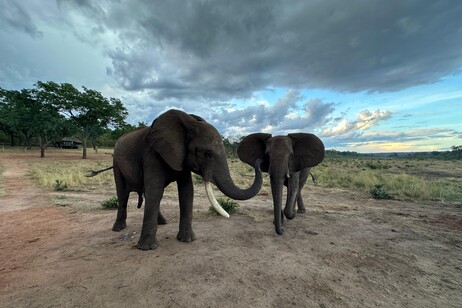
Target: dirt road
(346, 251)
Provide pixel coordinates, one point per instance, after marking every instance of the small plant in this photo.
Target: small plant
(227, 204)
(378, 192)
(377, 165)
(111, 203)
(197, 179)
(60, 185)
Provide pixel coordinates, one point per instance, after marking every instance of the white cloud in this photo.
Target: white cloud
(365, 120)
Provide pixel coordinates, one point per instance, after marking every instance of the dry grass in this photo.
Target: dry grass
(420, 180)
(48, 173)
(423, 180)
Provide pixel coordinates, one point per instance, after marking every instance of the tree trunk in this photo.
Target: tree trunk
(42, 147)
(84, 147)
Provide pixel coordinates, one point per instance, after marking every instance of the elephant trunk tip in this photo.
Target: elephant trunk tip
(289, 214)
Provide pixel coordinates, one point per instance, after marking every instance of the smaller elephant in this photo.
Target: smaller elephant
(288, 160)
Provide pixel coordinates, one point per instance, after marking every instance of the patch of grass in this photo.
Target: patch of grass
(111, 203)
(230, 206)
(420, 181)
(378, 192)
(53, 174)
(61, 200)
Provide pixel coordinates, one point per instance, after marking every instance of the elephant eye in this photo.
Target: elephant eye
(208, 154)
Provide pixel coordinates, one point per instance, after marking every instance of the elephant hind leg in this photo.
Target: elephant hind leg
(161, 219)
(301, 206)
(121, 220)
(303, 177)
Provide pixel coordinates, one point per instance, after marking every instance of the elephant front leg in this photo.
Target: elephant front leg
(148, 238)
(186, 196)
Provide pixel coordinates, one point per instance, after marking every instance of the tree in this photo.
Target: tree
(29, 115)
(457, 149)
(89, 110)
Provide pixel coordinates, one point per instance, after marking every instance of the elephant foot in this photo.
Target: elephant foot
(147, 243)
(119, 226)
(186, 235)
(161, 219)
(301, 210)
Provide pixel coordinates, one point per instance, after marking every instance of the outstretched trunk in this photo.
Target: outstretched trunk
(276, 190)
(222, 179)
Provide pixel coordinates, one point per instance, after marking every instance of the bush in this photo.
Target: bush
(378, 192)
(230, 206)
(111, 203)
(377, 165)
(60, 185)
(197, 179)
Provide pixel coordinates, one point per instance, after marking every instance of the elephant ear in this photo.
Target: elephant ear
(308, 150)
(167, 136)
(252, 147)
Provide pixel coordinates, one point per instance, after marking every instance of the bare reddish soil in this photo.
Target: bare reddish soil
(346, 251)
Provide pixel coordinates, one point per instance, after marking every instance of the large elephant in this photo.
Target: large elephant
(288, 160)
(148, 159)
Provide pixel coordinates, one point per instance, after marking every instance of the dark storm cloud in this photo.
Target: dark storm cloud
(279, 118)
(223, 49)
(14, 16)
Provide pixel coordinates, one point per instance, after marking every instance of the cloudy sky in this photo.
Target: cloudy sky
(364, 75)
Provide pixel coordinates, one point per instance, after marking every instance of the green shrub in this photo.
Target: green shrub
(60, 185)
(378, 192)
(111, 203)
(197, 179)
(230, 206)
(377, 165)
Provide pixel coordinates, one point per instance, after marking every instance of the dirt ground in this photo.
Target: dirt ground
(346, 251)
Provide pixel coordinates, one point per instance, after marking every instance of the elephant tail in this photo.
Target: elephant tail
(96, 172)
(314, 179)
(140, 200)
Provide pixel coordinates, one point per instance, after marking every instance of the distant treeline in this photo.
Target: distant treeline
(455, 153)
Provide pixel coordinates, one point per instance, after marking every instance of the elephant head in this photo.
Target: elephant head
(188, 142)
(283, 158)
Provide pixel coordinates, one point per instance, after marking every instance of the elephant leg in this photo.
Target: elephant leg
(122, 197)
(186, 196)
(160, 219)
(292, 193)
(303, 178)
(148, 238)
(121, 220)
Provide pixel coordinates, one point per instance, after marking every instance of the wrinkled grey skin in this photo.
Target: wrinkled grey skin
(148, 159)
(288, 160)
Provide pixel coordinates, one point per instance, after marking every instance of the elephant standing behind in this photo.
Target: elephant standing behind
(148, 159)
(288, 160)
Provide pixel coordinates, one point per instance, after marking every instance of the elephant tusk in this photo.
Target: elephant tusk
(213, 201)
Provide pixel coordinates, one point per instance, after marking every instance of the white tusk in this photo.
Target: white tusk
(213, 201)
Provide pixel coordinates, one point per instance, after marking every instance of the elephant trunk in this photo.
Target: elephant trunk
(222, 179)
(276, 190)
